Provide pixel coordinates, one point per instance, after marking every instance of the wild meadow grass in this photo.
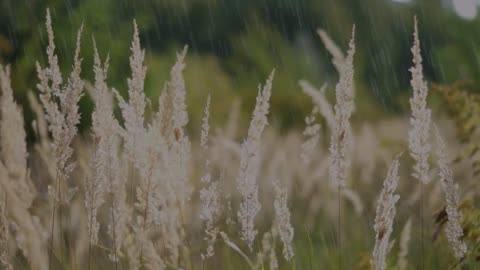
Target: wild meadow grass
(137, 191)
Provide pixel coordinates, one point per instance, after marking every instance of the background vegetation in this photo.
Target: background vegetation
(234, 44)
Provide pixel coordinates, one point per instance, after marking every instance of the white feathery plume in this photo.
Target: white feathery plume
(146, 159)
(94, 195)
(250, 164)
(419, 133)
(95, 184)
(106, 164)
(121, 212)
(205, 125)
(106, 126)
(209, 194)
(164, 116)
(179, 154)
(12, 132)
(385, 215)
(150, 199)
(136, 94)
(341, 139)
(453, 229)
(282, 220)
(133, 111)
(177, 84)
(62, 116)
(13, 148)
(337, 54)
(164, 188)
(16, 186)
(30, 240)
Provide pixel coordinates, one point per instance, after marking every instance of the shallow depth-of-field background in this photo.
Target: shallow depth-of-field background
(167, 171)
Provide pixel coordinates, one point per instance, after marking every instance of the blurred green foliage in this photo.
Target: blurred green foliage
(234, 44)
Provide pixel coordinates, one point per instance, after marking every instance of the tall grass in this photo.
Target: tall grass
(136, 192)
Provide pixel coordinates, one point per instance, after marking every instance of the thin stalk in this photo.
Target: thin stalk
(53, 220)
(339, 190)
(114, 240)
(90, 237)
(239, 251)
(92, 198)
(90, 242)
(112, 208)
(422, 225)
(60, 220)
(310, 246)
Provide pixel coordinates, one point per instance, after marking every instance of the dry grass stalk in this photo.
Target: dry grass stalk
(133, 111)
(419, 133)
(62, 116)
(60, 102)
(146, 159)
(177, 163)
(107, 181)
(13, 146)
(453, 230)
(13, 153)
(35, 250)
(210, 193)
(14, 169)
(341, 134)
(250, 164)
(341, 139)
(385, 215)
(284, 228)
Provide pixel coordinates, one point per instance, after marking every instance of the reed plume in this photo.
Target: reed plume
(385, 215)
(453, 230)
(250, 164)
